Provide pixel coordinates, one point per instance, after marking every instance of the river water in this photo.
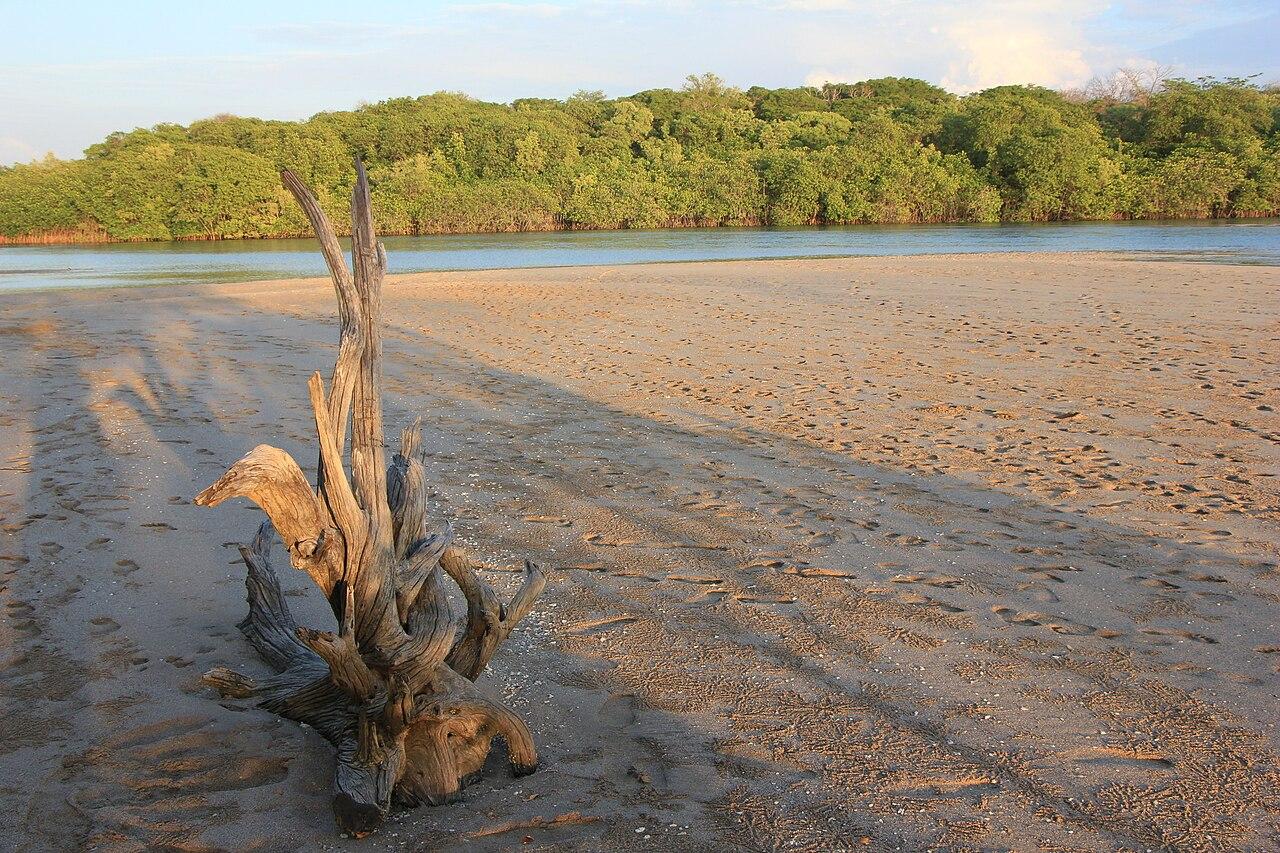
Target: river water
(142, 264)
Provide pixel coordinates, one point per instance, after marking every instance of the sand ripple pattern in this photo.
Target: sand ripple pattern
(966, 553)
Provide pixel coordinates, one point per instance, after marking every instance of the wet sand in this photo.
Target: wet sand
(970, 552)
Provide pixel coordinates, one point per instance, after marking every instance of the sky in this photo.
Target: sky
(70, 73)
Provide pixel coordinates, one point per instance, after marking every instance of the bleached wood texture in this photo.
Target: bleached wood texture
(393, 687)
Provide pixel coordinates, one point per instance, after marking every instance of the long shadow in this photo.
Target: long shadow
(1154, 661)
(119, 407)
(824, 718)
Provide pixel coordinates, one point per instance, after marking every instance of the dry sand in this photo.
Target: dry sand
(963, 552)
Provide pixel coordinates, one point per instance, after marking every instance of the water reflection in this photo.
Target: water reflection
(45, 267)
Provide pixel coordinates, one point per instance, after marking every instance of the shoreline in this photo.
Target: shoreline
(1222, 258)
(34, 241)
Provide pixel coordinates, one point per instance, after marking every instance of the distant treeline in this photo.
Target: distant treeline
(887, 150)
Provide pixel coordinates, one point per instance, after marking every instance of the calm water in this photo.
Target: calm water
(48, 267)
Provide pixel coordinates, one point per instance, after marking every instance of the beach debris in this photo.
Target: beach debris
(695, 579)
(394, 689)
(819, 572)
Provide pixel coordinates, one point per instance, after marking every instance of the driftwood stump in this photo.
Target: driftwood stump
(393, 689)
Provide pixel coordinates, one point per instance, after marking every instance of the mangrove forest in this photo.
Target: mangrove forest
(891, 150)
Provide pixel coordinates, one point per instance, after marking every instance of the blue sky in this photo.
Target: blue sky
(72, 72)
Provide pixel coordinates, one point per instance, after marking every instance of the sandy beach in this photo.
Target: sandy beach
(958, 552)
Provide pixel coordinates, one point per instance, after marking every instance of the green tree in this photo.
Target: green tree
(783, 104)
(1223, 115)
(884, 150)
(617, 193)
(43, 198)
(793, 188)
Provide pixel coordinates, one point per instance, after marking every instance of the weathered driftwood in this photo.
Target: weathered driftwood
(393, 689)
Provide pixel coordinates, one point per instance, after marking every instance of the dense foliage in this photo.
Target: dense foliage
(888, 150)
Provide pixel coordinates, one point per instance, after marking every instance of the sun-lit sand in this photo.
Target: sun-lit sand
(970, 552)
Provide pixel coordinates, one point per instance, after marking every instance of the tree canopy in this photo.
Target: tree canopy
(890, 150)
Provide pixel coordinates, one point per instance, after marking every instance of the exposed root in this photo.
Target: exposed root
(392, 689)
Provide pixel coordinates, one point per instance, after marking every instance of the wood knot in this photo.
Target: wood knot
(306, 548)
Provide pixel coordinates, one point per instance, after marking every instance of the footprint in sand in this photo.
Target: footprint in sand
(1034, 618)
(707, 595)
(940, 581)
(1143, 758)
(695, 579)
(157, 785)
(918, 600)
(818, 572)
(593, 626)
(763, 563)
(1048, 573)
(975, 787)
(762, 598)
(1162, 635)
(548, 519)
(103, 625)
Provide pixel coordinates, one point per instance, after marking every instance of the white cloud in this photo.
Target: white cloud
(963, 47)
(68, 96)
(1000, 50)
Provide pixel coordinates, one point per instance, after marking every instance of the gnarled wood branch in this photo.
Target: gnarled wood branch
(270, 478)
(407, 491)
(269, 625)
(489, 621)
(351, 340)
(392, 687)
